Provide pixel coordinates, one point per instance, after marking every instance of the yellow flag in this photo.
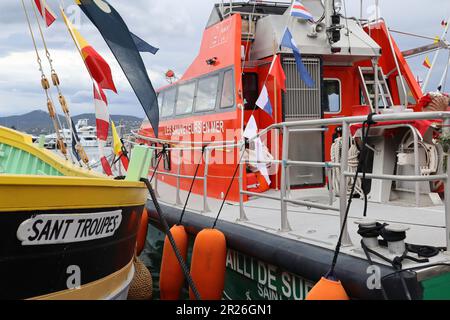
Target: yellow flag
(427, 63)
(116, 140)
(437, 39)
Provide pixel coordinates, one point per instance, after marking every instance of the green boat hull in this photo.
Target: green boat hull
(248, 278)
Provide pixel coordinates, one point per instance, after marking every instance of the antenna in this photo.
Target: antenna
(361, 10)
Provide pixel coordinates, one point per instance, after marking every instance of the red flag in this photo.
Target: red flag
(101, 113)
(106, 166)
(444, 23)
(276, 71)
(99, 68)
(45, 11)
(124, 160)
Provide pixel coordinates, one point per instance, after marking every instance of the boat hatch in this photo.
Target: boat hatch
(301, 103)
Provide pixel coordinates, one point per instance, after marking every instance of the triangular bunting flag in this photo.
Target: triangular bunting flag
(427, 63)
(251, 130)
(264, 102)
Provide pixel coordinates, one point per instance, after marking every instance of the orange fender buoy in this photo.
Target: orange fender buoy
(208, 264)
(171, 278)
(327, 289)
(142, 232)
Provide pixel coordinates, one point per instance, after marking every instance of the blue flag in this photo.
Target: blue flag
(288, 42)
(142, 45)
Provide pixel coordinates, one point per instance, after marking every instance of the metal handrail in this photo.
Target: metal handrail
(317, 125)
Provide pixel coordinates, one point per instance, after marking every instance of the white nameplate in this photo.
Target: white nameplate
(67, 228)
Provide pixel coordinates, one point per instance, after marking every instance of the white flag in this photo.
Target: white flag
(251, 130)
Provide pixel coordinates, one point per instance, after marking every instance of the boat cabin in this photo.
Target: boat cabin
(216, 97)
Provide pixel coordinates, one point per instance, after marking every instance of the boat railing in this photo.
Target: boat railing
(207, 148)
(320, 125)
(346, 123)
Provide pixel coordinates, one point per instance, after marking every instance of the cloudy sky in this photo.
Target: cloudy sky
(175, 27)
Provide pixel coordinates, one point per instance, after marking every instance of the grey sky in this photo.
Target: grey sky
(175, 27)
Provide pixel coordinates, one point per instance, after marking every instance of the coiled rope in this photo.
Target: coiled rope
(353, 160)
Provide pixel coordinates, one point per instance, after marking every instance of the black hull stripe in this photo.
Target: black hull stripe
(30, 271)
(305, 260)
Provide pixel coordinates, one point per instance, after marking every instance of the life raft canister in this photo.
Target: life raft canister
(208, 264)
(171, 278)
(327, 289)
(142, 232)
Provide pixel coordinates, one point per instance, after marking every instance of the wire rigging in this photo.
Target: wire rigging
(62, 100)
(46, 87)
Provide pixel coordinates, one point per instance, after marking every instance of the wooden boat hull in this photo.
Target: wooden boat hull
(68, 238)
(35, 271)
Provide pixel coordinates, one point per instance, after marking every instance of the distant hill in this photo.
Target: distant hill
(38, 122)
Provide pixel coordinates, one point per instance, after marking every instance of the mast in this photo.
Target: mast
(444, 74)
(427, 79)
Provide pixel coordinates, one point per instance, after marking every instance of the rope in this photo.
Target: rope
(368, 122)
(190, 188)
(396, 264)
(159, 156)
(420, 250)
(46, 86)
(163, 222)
(61, 98)
(229, 187)
(336, 156)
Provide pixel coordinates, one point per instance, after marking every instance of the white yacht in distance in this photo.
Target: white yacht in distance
(86, 133)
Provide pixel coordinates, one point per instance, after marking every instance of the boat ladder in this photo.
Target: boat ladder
(367, 79)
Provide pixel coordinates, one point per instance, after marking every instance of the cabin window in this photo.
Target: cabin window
(185, 101)
(332, 96)
(227, 99)
(169, 102)
(207, 93)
